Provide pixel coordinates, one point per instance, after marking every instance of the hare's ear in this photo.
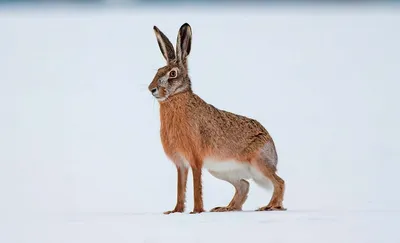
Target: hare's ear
(166, 47)
(184, 42)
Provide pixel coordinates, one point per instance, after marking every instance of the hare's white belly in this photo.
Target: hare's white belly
(235, 170)
(231, 170)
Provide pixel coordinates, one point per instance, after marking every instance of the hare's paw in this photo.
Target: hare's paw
(197, 211)
(173, 211)
(272, 208)
(176, 210)
(225, 209)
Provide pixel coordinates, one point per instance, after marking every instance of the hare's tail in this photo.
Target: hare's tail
(261, 180)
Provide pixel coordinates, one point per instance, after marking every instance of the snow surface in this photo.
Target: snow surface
(81, 158)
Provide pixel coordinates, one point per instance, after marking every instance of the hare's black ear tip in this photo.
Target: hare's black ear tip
(155, 28)
(185, 26)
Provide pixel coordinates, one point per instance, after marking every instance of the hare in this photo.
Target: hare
(196, 135)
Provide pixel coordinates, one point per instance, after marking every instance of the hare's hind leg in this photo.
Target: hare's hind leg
(264, 173)
(276, 202)
(242, 190)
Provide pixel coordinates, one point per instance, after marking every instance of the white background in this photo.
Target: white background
(81, 158)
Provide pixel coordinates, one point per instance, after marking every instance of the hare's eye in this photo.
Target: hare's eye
(172, 74)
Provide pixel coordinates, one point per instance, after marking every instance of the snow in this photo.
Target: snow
(81, 158)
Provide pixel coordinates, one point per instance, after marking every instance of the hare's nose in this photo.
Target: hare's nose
(154, 90)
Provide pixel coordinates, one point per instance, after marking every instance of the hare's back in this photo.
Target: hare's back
(226, 133)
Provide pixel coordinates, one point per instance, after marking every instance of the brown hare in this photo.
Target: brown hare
(196, 135)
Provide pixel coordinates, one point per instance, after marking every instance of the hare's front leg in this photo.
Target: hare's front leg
(182, 173)
(198, 191)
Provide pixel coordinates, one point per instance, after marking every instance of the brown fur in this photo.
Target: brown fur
(192, 130)
(195, 129)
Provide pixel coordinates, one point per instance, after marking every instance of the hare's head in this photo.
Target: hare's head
(172, 78)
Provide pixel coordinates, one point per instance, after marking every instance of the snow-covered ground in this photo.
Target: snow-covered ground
(81, 158)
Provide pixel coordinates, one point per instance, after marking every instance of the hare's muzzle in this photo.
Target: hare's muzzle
(154, 92)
